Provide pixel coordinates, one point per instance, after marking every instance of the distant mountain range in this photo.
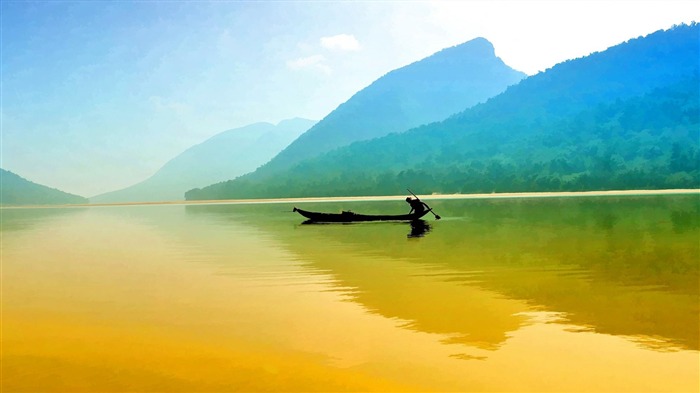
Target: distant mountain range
(224, 156)
(16, 190)
(423, 92)
(624, 118)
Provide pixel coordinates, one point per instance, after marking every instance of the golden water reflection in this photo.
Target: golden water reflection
(584, 294)
(624, 266)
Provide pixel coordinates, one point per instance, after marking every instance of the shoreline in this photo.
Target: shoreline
(506, 195)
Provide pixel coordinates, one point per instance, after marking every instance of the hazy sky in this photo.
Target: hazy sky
(97, 95)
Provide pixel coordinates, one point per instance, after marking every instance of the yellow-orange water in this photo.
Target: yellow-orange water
(583, 294)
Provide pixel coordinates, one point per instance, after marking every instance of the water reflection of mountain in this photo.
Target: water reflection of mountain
(622, 266)
(17, 219)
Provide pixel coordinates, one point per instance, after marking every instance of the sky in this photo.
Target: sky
(98, 95)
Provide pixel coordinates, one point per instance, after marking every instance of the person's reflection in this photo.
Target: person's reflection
(418, 228)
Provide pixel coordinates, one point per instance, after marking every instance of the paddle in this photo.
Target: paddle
(430, 209)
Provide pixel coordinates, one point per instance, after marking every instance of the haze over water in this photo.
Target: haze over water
(555, 294)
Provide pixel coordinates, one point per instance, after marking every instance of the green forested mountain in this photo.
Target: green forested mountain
(426, 91)
(224, 156)
(16, 190)
(624, 118)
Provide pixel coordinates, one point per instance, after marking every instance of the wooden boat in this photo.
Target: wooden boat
(355, 217)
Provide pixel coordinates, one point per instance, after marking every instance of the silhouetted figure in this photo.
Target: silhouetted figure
(417, 206)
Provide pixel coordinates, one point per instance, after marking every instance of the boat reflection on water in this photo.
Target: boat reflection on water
(419, 228)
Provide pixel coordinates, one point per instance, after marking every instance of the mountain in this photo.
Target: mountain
(16, 190)
(426, 91)
(624, 118)
(221, 157)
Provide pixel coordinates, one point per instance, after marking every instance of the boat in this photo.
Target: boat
(356, 217)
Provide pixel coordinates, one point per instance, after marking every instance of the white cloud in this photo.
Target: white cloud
(344, 42)
(319, 62)
(315, 62)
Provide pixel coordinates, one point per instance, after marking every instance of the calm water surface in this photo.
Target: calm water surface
(549, 294)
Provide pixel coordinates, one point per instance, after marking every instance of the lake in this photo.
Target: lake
(514, 294)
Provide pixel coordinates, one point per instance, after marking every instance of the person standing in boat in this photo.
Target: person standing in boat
(417, 206)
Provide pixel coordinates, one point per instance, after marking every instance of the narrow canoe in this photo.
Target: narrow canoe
(354, 217)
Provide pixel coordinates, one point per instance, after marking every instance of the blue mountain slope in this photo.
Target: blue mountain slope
(16, 190)
(221, 157)
(423, 92)
(623, 118)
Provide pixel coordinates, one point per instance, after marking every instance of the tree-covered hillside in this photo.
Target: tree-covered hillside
(16, 190)
(428, 90)
(625, 118)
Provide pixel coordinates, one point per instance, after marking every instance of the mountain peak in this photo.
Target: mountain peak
(479, 46)
(224, 156)
(478, 51)
(296, 121)
(423, 92)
